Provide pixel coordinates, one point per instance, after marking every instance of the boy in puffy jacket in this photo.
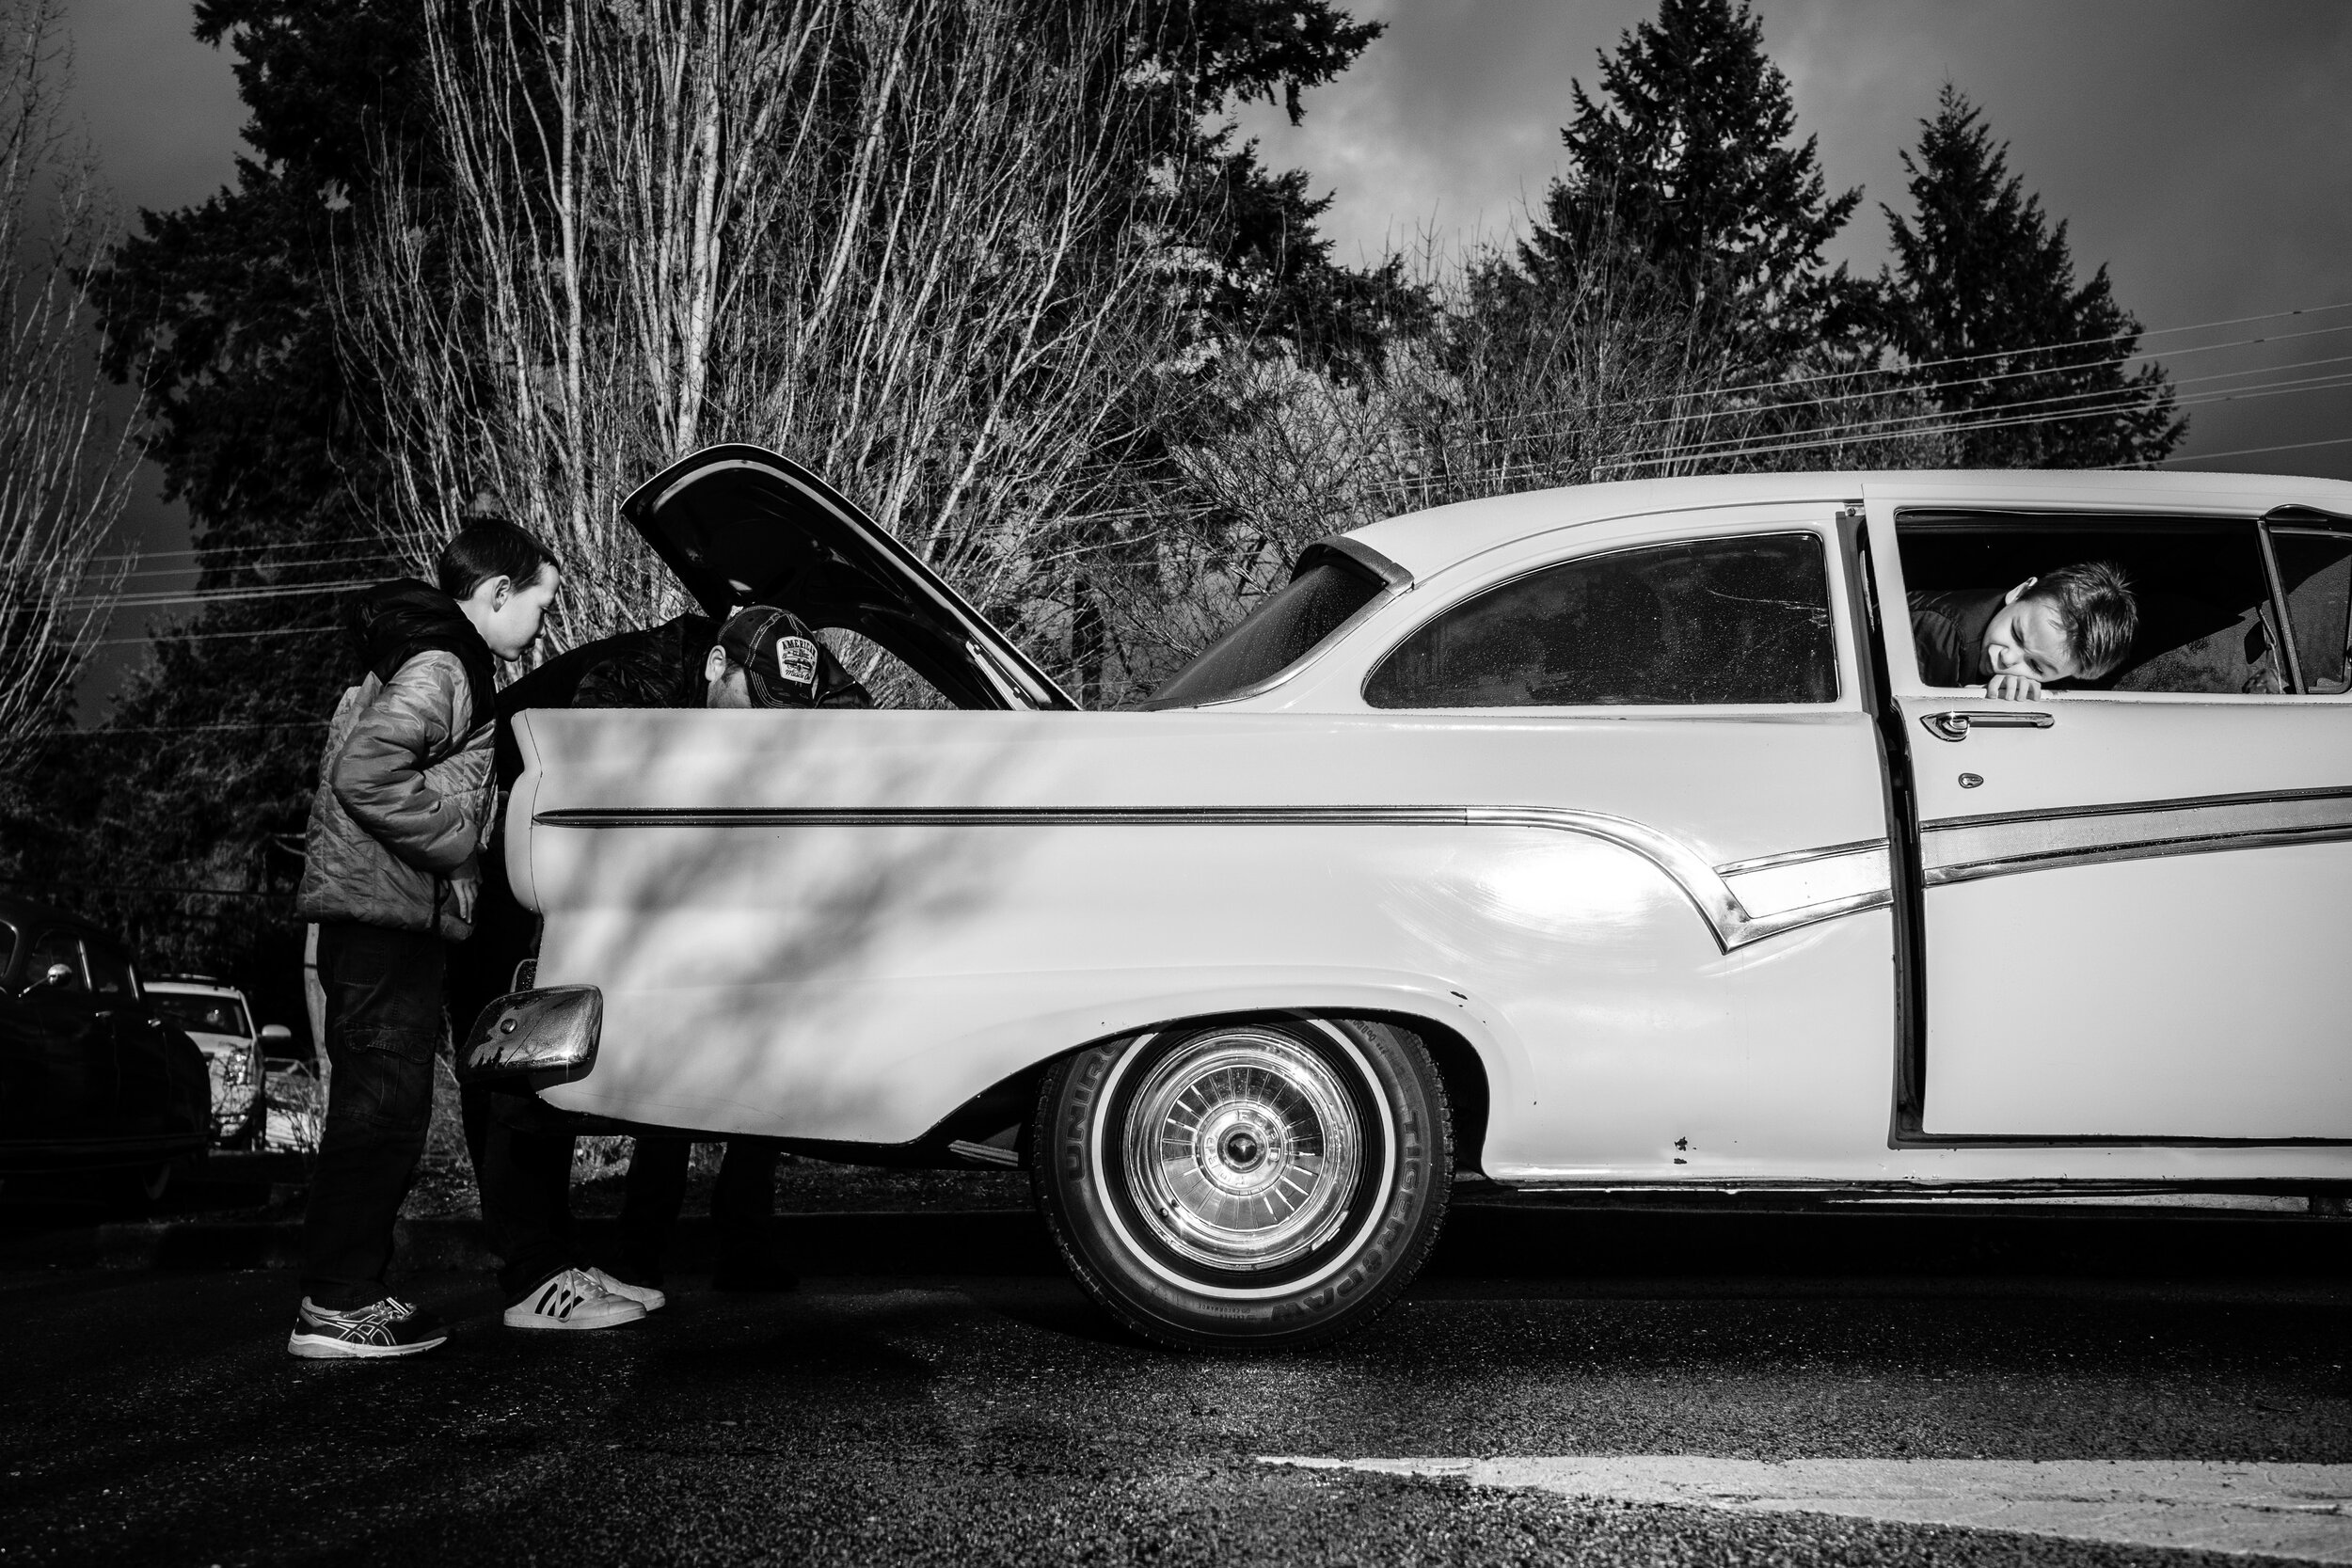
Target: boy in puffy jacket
(403, 808)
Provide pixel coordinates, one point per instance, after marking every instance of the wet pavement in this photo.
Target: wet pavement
(154, 1417)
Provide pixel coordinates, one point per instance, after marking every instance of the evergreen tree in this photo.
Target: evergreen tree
(223, 311)
(1687, 166)
(1981, 293)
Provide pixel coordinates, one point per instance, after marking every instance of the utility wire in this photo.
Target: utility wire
(205, 635)
(1726, 389)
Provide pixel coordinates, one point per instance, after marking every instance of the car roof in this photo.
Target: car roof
(23, 913)
(196, 987)
(1424, 542)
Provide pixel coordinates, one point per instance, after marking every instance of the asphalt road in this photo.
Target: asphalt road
(156, 1418)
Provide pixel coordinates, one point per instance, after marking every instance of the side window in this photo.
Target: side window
(1738, 619)
(2205, 621)
(887, 679)
(2315, 569)
(8, 948)
(109, 972)
(58, 947)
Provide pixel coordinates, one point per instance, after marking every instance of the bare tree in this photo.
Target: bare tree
(64, 474)
(895, 239)
(1503, 392)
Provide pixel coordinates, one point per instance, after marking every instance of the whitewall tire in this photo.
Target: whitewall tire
(1250, 1183)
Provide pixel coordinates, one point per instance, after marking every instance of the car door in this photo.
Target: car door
(67, 1044)
(162, 1084)
(2133, 894)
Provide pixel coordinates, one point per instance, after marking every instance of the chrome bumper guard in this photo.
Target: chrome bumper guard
(548, 1035)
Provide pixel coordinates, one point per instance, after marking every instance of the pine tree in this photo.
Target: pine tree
(1981, 293)
(1687, 163)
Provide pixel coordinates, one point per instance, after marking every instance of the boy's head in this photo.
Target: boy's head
(503, 580)
(2075, 622)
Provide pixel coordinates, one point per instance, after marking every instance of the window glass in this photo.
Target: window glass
(2316, 571)
(1286, 626)
(887, 679)
(204, 1015)
(109, 971)
(58, 947)
(8, 947)
(1741, 619)
(2205, 621)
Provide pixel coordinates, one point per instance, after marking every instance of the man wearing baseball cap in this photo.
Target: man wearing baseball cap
(761, 657)
(764, 657)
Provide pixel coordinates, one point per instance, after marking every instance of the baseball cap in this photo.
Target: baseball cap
(777, 653)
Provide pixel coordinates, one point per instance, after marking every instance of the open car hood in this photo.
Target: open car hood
(741, 525)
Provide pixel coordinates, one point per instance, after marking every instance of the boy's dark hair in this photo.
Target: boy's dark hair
(2095, 607)
(487, 547)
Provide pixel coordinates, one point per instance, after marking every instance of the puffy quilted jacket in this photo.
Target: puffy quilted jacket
(405, 802)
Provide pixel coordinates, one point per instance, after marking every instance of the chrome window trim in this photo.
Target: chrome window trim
(1307, 660)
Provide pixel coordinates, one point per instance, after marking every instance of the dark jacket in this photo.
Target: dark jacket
(1948, 631)
(403, 799)
(662, 667)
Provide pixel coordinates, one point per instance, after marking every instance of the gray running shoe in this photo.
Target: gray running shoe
(388, 1327)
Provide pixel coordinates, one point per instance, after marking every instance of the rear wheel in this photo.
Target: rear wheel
(1250, 1184)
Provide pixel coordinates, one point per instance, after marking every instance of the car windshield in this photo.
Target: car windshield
(202, 1015)
(1286, 626)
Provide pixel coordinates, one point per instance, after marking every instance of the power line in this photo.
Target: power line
(146, 887)
(1835, 437)
(2250, 451)
(251, 727)
(204, 636)
(162, 598)
(2133, 394)
(1726, 389)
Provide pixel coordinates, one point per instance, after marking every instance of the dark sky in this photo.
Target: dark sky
(2201, 149)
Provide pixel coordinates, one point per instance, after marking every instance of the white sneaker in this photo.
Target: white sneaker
(572, 1299)
(647, 1296)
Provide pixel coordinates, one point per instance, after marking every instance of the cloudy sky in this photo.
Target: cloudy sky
(2201, 149)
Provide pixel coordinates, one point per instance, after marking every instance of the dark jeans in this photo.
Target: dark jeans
(522, 1163)
(383, 1025)
(743, 1204)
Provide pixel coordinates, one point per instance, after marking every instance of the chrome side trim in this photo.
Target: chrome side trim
(1968, 848)
(1805, 887)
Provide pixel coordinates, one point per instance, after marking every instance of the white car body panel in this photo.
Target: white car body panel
(1664, 932)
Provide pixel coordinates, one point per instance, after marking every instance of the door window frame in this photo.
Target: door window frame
(81, 947)
(1903, 655)
(2299, 522)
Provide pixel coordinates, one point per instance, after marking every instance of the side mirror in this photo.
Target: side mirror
(276, 1034)
(58, 974)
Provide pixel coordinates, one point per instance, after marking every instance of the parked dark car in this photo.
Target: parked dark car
(91, 1077)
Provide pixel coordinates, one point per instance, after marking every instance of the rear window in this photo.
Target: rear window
(1283, 629)
(203, 1015)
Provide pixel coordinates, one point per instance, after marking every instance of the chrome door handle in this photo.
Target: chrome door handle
(1954, 723)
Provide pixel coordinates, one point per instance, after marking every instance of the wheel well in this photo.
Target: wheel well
(1013, 1099)
(1465, 1079)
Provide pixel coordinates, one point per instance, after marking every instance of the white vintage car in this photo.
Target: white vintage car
(1595, 838)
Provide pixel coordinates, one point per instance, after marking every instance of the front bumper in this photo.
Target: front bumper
(541, 1037)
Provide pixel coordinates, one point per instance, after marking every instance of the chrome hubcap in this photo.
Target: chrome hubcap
(1243, 1150)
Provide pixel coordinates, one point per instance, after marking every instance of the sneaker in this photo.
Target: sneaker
(647, 1296)
(388, 1327)
(572, 1299)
